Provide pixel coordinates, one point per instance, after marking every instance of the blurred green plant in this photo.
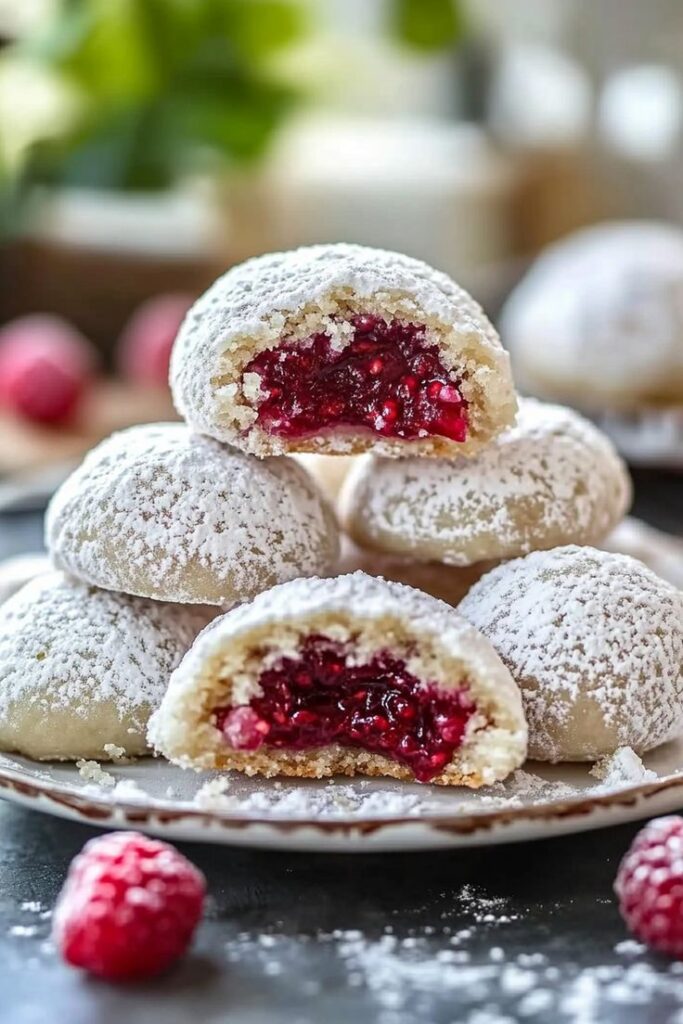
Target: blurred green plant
(136, 94)
(427, 24)
(164, 87)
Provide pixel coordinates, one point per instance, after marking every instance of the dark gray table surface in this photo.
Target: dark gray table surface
(526, 932)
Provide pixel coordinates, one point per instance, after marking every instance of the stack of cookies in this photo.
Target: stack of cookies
(373, 366)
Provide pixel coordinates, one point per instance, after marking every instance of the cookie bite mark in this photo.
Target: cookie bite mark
(387, 380)
(341, 349)
(352, 675)
(323, 695)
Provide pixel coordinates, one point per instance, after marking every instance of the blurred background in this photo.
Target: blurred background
(146, 145)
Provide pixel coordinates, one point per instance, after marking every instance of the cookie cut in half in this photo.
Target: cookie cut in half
(595, 642)
(81, 669)
(351, 675)
(338, 349)
(552, 479)
(160, 512)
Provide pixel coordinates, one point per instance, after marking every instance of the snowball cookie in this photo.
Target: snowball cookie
(81, 669)
(16, 571)
(661, 552)
(551, 479)
(448, 583)
(338, 349)
(160, 512)
(351, 675)
(595, 641)
(598, 320)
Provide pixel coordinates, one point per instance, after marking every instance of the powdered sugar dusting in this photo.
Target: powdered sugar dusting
(255, 304)
(162, 513)
(66, 647)
(599, 318)
(460, 969)
(551, 479)
(591, 637)
(622, 768)
(367, 800)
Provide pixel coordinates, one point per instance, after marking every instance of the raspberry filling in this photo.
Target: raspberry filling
(322, 697)
(386, 380)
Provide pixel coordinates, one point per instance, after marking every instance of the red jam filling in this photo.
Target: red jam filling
(322, 697)
(386, 380)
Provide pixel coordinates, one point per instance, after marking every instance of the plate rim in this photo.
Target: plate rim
(91, 808)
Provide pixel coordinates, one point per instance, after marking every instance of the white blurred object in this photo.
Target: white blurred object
(598, 320)
(662, 552)
(640, 112)
(175, 222)
(21, 569)
(438, 191)
(539, 97)
(35, 104)
(649, 437)
(18, 17)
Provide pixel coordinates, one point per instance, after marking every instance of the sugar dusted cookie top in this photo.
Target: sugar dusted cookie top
(551, 479)
(225, 384)
(82, 668)
(161, 512)
(598, 319)
(595, 641)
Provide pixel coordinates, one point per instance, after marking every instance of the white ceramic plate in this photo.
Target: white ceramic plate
(346, 814)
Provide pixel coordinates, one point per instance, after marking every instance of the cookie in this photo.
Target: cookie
(598, 319)
(159, 512)
(551, 479)
(351, 675)
(338, 349)
(82, 669)
(595, 642)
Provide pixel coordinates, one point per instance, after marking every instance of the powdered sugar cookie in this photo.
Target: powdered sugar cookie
(337, 349)
(595, 641)
(551, 479)
(15, 572)
(351, 675)
(159, 512)
(82, 669)
(598, 320)
(448, 583)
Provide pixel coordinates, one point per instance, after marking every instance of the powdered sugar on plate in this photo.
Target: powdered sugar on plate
(622, 768)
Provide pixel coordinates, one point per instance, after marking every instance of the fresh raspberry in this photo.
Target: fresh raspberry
(128, 908)
(649, 885)
(144, 348)
(45, 368)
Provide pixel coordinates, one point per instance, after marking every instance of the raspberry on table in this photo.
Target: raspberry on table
(649, 885)
(128, 908)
